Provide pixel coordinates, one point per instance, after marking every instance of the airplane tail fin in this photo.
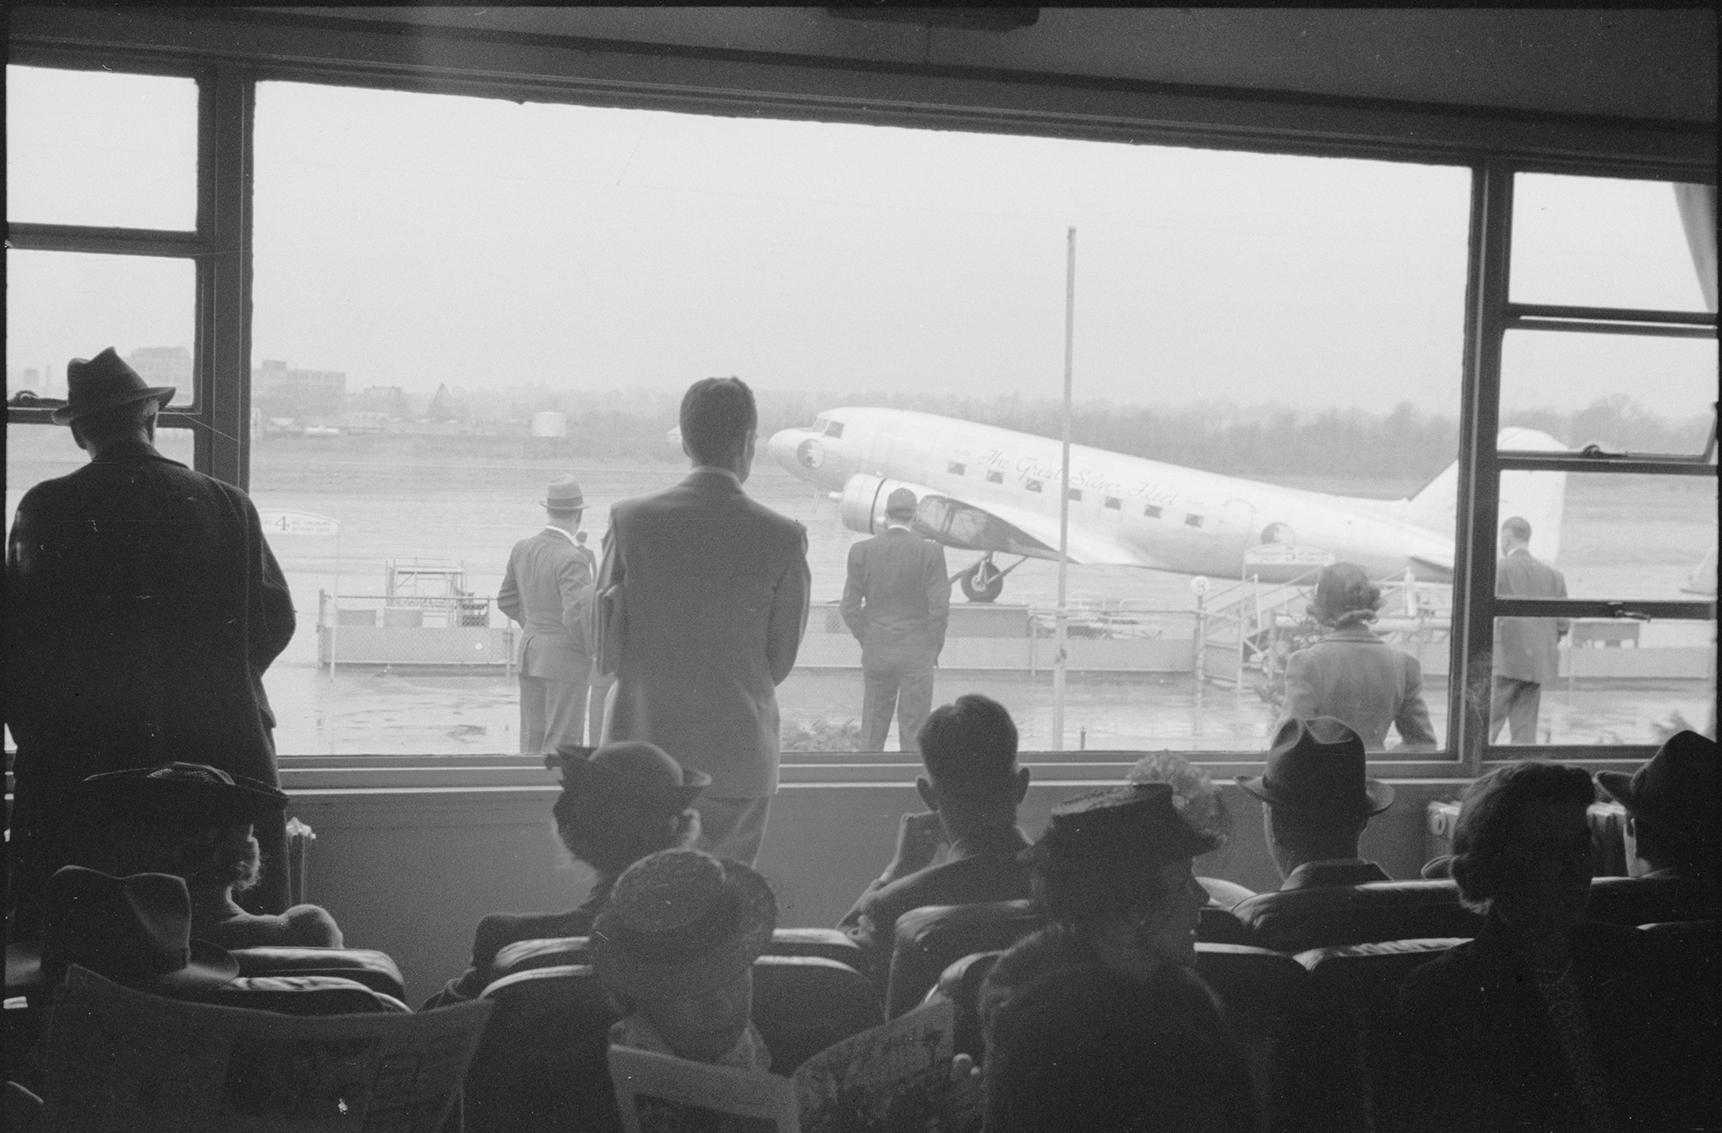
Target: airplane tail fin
(1537, 497)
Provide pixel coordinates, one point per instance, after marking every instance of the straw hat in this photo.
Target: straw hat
(135, 930)
(1120, 825)
(104, 382)
(1316, 767)
(679, 923)
(629, 771)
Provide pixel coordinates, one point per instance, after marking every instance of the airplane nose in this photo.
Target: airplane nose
(782, 447)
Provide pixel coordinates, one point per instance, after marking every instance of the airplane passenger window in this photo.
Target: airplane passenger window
(1075, 495)
(68, 132)
(1192, 521)
(527, 290)
(954, 468)
(1114, 502)
(142, 306)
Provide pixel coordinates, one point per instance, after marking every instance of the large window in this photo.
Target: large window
(457, 299)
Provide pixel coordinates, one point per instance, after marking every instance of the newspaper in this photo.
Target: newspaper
(892, 1077)
(117, 1059)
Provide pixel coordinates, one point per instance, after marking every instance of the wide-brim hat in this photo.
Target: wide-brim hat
(104, 382)
(1134, 824)
(630, 770)
(135, 930)
(679, 923)
(1676, 790)
(1316, 767)
(563, 494)
(183, 793)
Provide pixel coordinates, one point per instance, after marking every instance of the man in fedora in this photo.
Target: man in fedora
(547, 589)
(144, 606)
(1527, 650)
(1318, 801)
(676, 945)
(897, 601)
(1671, 809)
(703, 597)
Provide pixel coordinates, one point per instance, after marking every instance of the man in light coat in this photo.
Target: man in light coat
(548, 591)
(143, 606)
(703, 597)
(1527, 655)
(897, 602)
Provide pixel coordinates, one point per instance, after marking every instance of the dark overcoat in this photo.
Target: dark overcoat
(143, 606)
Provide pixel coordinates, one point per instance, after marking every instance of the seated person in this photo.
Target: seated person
(1671, 810)
(1352, 673)
(1091, 1050)
(972, 788)
(675, 946)
(1113, 872)
(626, 801)
(1545, 1020)
(1316, 802)
(1203, 807)
(195, 822)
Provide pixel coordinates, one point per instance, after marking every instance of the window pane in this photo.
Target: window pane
(63, 305)
(1625, 392)
(102, 149)
(1269, 356)
(1612, 535)
(1601, 242)
(1601, 681)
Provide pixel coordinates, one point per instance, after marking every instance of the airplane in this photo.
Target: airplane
(982, 488)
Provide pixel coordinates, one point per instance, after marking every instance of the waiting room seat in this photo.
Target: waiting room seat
(376, 970)
(960, 986)
(1298, 920)
(1361, 983)
(803, 1004)
(933, 937)
(542, 1064)
(306, 995)
(559, 951)
(1649, 900)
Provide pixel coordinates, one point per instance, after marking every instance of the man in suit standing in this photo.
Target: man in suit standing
(897, 602)
(548, 591)
(143, 607)
(1526, 649)
(703, 600)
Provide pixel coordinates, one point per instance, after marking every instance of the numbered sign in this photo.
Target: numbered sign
(1287, 554)
(298, 523)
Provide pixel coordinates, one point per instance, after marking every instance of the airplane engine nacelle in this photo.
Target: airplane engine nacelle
(862, 506)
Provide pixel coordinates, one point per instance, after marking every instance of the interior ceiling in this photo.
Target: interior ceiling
(1629, 63)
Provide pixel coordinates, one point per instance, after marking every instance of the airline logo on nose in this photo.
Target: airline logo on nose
(810, 453)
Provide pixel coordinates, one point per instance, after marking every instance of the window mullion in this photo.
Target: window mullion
(227, 97)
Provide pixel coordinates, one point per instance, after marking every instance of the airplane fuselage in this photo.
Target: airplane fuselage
(1123, 509)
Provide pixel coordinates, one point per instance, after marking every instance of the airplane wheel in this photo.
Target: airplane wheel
(982, 582)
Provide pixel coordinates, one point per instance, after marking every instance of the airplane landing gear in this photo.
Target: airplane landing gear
(982, 582)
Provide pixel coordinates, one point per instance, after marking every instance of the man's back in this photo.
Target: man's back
(714, 601)
(897, 591)
(1527, 646)
(547, 589)
(145, 606)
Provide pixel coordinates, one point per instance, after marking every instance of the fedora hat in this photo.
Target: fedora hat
(679, 923)
(1120, 824)
(135, 930)
(1316, 767)
(563, 494)
(104, 382)
(183, 792)
(1675, 790)
(630, 771)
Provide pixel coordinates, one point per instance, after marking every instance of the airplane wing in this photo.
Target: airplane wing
(1086, 547)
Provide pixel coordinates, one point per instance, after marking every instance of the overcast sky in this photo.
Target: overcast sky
(415, 240)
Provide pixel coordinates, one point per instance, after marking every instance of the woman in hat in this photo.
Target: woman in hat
(676, 946)
(1353, 674)
(195, 822)
(1546, 1020)
(618, 804)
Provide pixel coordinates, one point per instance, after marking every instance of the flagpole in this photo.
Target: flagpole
(1062, 618)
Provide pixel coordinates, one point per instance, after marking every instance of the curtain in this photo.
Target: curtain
(1698, 216)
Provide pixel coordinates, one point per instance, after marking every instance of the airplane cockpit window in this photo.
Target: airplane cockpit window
(834, 430)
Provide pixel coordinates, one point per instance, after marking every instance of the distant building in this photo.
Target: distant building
(164, 366)
(283, 392)
(390, 401)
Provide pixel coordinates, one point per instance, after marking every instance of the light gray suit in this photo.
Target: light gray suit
(548, 590)
(713, 594)
(1527, 650)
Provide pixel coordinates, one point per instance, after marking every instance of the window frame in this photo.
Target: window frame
(229, 52)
